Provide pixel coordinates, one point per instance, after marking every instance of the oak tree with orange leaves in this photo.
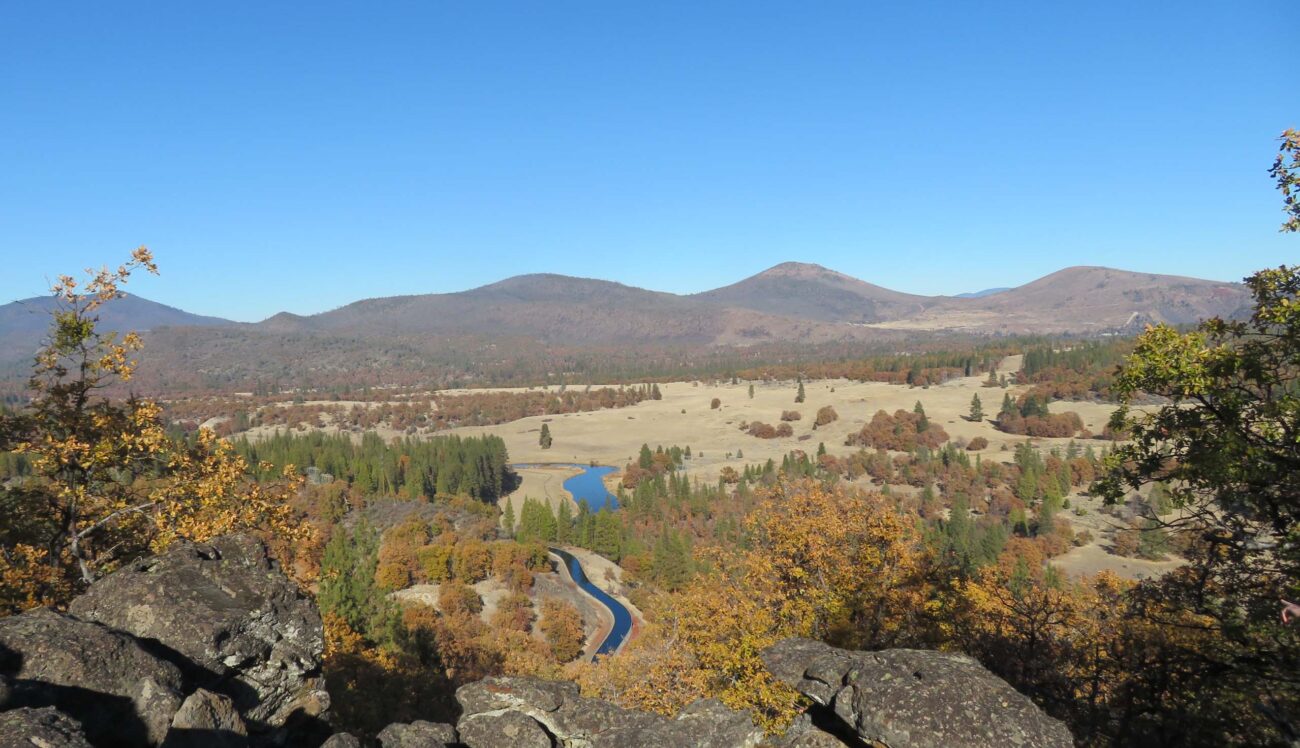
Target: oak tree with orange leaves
(108, 483)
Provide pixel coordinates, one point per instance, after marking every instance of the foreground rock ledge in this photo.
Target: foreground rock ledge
(118, 692)
(913, 698)
(211, 646)
(226, 607)
(492, 709)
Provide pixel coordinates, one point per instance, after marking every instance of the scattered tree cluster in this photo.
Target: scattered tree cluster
(1030, 417)
(901, 432)
(825, 416)
(767, 430)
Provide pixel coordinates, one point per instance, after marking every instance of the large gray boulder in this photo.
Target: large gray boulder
(46, 727)
(514, 729)
(119, 692)
(207, 720)
(915, 699)
(226, 607)
(571, 720)
(419, 734)
(804, 734)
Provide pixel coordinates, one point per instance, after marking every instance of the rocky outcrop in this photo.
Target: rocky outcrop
(205, 645)
(911, 698)
(119, 692)
(46, 727)
(227, 608)
(493, 705)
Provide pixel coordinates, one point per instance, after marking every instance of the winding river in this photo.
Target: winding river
(588, 487)
(622, 617)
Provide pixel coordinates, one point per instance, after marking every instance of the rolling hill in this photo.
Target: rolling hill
(1085, 300)
(790, 304)
(806, 291)
(23, 324)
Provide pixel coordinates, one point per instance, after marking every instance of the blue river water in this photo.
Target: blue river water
(588, 487)
(622, 618)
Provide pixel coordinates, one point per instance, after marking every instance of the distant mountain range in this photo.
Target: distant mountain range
(23, 324)
(789, 303)
(981, 294)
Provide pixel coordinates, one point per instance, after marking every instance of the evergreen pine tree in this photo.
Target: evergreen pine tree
(548, 522)
(606, 540)
(508, 518)
(976, 408)
(563, 524)
(1008, 405)
(545, 439)
(751, 392)
(347, 586)
(671, 560)
(799, 397)
(1047, 513)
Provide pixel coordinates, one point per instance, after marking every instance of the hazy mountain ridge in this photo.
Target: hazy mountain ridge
(981, 293)
(789, 303)
(1095, 299)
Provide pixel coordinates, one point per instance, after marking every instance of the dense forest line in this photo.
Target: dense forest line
(1079, 370)
(407, 468)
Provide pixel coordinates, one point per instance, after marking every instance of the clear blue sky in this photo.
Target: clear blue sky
(279, 156)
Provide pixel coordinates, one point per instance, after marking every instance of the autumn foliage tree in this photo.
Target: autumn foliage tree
(561, 624)
(1224, 449)
(827, 562)
(825, 416)
(107, 482)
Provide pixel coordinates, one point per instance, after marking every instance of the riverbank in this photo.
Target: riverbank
(544, 483)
